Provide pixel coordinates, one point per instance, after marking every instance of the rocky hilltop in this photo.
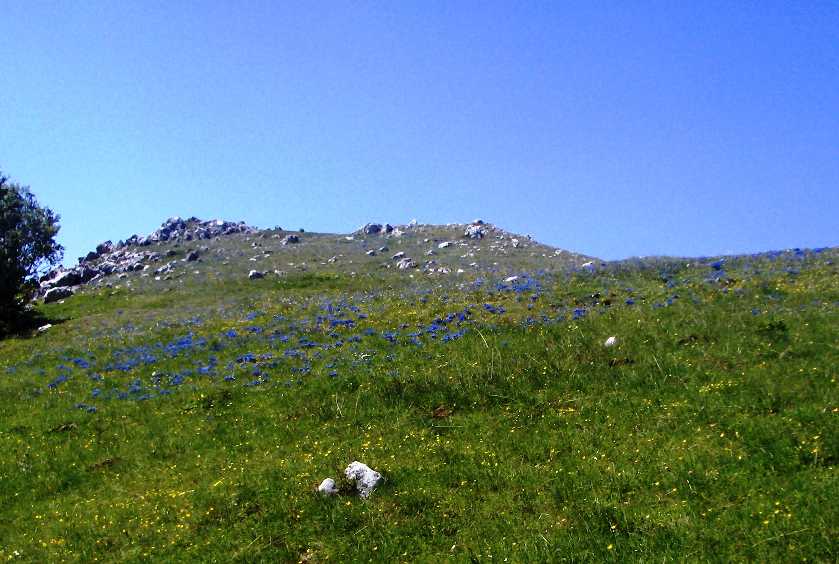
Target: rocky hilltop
(130, 256)
(432, 250)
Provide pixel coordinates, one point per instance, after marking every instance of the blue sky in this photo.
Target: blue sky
(613, 129)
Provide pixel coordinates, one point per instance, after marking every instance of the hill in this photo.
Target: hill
(181, 408)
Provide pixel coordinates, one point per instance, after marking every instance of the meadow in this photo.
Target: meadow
(195, 423)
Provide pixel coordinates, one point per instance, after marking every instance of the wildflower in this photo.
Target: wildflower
(58, 380)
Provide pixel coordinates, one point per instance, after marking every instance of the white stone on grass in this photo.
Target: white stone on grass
(366, 479)
(328, 487)
(611, 342)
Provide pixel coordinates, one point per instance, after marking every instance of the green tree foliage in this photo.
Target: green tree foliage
(27, 246)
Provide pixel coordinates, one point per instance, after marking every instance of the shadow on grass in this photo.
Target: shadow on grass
(25, 324)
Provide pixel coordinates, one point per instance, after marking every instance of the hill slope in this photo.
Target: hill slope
(192, 417)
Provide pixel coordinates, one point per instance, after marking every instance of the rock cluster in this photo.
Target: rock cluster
(125, 256)
(475, 230)
(376, 228)
(359, 474)
(190, 229)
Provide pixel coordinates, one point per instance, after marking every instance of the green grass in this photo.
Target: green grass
(708, 434)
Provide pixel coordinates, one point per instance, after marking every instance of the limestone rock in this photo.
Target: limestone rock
(365, 478)
(55, 294)
(328, 487)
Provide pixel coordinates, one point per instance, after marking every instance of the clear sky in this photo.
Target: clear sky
(613, 129)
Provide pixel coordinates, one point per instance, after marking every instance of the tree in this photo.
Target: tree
(27, 246)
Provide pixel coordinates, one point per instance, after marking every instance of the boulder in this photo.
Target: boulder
(192, 256)
(290, 240)
(68, 278)
(55, 294)
(104, 248)
(86, 274)
(444, 245)
(406, 263)
(165, 269)
(365, 478)
(474, 232)
(255, 275)
(372, 229)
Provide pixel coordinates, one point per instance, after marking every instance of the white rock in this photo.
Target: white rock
(44, 328)
(328, 487)
(255, 274)
(588, 264)
(511, 279)
(474, 232)
(366, 479)
(444, 244)
(611, 342)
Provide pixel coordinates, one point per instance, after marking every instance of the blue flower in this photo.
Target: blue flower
(58, 380)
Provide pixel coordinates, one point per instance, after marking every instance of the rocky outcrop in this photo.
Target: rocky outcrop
(375, 229)
(129, 256)
(177, 229)
(475, 231)
(55, 294)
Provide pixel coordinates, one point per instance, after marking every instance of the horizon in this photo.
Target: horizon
(610, 131)
(70, 261)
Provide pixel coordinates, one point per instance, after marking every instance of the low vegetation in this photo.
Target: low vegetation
(194, 425)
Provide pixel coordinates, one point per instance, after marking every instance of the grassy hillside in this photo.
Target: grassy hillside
(191, 418)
